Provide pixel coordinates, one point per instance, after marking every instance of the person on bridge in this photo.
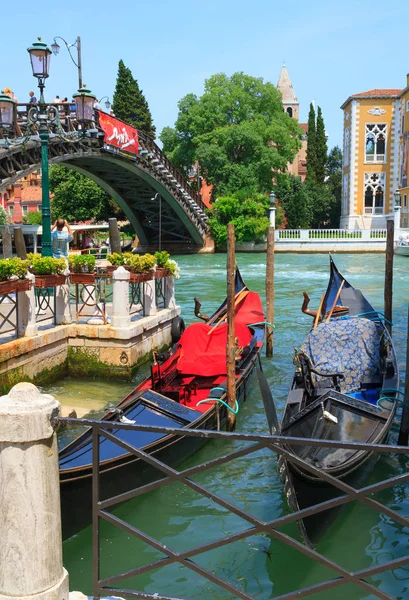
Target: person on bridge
(33, 99)
(60, 239)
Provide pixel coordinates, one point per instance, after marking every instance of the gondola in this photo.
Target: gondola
(186, 389)
(344, 389)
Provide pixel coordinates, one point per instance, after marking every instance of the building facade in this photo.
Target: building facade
(375, 157)
(292, 108)
(23, 197)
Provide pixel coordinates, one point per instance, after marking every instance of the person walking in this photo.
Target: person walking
(60, 239)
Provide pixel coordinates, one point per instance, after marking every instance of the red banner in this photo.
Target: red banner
(118, 133)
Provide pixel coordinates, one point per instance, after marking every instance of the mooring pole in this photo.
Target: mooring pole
(390, 232)
(7, 245)
(114, 238)
(231, 345)
(20, 243)
(270, 290)
(404, 423)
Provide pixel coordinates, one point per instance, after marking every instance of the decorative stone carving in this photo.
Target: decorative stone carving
(377, 112)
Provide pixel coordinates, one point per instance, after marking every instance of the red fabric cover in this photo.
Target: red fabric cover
(205, 355)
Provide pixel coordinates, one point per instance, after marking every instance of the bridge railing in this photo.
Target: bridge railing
(330, 235)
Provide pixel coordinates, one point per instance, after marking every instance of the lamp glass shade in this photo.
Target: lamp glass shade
(40, 59)
(84, 104)
(6, 111)
(397, 198)
(107, 105)
(55, 47)
(272, 198)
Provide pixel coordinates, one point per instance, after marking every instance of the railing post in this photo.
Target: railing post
(26, 308)
(304, 235)
(170, 301)
(63, 314)
(31, 546)
(120, 298)
(149, 298)
(366, 235)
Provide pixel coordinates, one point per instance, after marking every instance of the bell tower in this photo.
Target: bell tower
(290, 101)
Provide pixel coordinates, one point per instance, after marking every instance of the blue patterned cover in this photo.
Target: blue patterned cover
(348, 346)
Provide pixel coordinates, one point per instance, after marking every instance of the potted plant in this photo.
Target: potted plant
(116, 260)
(82, 268)
(13, 273)
(142, 266)
(49, 271)
(165, 266)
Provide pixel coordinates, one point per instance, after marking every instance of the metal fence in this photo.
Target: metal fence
(279, 447)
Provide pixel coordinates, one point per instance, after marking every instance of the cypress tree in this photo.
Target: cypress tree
(320, 149)
(129, 103)
(311, 146)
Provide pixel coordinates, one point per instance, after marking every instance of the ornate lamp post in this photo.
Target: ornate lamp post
(84, 103)
(7, 112)
(40, 63)
(272, 210)
(55, 47)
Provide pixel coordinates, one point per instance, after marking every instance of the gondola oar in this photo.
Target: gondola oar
(268, 401)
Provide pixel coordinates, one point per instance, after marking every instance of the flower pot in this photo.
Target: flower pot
(47, 281)
(83, 278)
(23, 285)
(8, 287)
(141, 277)
(161, 272)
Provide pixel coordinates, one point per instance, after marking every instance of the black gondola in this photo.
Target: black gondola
(344, 389)
(184, 390)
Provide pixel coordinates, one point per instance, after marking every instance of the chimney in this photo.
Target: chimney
(407, 79)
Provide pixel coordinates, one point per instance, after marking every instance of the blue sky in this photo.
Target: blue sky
(331, 49)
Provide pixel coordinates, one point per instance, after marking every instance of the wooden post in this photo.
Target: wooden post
(114, 238)
(7, 246)
(389, 272)
(20, 243)
(270, 290)
(404, 424)
(231, 344)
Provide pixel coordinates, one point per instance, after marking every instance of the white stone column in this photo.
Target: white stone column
(120, 298)
(26, 307)
(149, 297)
(31, 543)
(63, 314)
(170, 301)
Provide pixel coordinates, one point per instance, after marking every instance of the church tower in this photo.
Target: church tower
(290, 101)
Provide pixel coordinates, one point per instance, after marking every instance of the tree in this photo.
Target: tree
(322, 202)
(237, 131)
(294, 197)
(78, 198)
(247, 211)
(334, 182)
(311, 145)
(320, 149)
(129, 103)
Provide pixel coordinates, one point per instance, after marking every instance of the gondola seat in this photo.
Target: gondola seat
(350, 347)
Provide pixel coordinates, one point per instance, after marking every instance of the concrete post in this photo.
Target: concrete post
(120, 298)
(26, 308)
(31, 545)
(7, 245)
(149, 298)
(170, 301)
(63, 314)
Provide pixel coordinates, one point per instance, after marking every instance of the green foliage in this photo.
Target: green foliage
(162, 258)
(81, 263)
(78, 198)
(247, 211)
(4, 216)
(296, 201)
(129, 103)
(116, 259)
(334, 183)
(46, 265)
(321, 149)
(147, 262)
(322, 203)
(13, 267)
(33, 218)
(311, 155)
(237, 131)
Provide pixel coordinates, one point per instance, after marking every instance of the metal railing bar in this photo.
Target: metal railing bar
(148, 487)
(95, 513)
(144, 595)
(245, 437)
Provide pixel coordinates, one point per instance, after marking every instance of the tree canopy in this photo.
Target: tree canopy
(311, 145)
(321, 149)
(237, 131)
(78, 198)
(129, 103)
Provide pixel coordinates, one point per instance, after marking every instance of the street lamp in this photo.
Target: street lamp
(397, 198)
(55, 47)
(84, 102)
(40, 63)
(7, 111)
(272, 210)
(107, 102)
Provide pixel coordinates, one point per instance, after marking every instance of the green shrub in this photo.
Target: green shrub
(46, 265)
(81, 263)
(4, 216)
(162, 258)
(147, 262)
(20, 267)
(116, 259)
(13, 267)
(33, 218)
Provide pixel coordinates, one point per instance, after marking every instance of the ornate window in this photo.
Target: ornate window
(374, 193)
(347, 135)
(375, 142)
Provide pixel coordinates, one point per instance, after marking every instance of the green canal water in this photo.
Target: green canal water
(182, 519)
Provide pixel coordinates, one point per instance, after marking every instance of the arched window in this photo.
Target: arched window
(375, 142)
(374, 193)
(290, 111)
